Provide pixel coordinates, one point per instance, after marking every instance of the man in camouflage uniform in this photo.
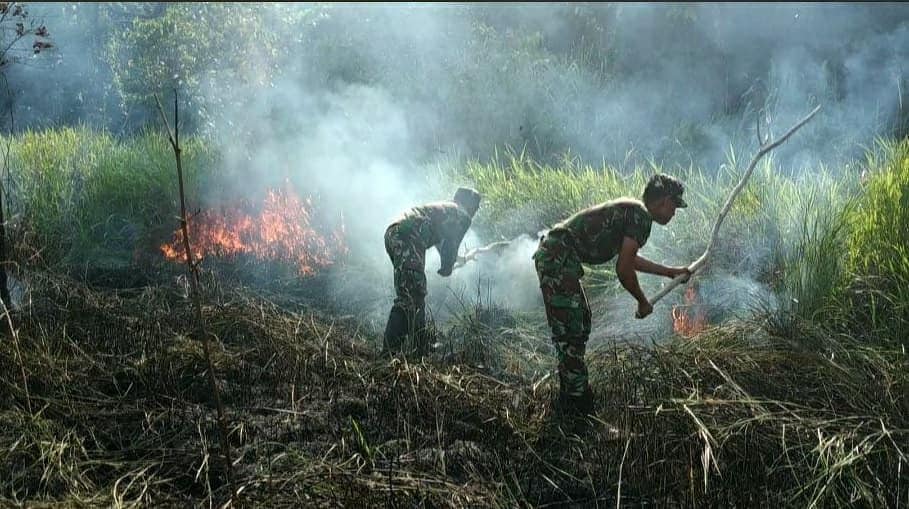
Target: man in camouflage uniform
(594, 236)
(440, 224)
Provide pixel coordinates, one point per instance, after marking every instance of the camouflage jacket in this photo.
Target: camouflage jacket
(596, 233)
(441, 224)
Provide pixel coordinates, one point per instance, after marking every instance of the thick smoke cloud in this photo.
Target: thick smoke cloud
(372, 100)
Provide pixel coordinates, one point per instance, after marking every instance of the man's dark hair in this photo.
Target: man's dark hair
(661, 185)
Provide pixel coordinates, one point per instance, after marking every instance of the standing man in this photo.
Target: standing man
(440, 224)
(594, 236)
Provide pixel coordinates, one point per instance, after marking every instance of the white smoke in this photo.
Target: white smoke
(370, 98)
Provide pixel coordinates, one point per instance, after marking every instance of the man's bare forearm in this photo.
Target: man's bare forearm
(629, 280)
(644, 265)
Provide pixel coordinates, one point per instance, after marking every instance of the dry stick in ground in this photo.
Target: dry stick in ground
(5, 298)
(766, 146)
(4, 280)
(15, 335)
(174, 138)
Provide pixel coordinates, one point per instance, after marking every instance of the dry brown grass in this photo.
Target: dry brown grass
(122, 415)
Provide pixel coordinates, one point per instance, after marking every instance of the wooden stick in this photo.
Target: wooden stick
(15, 335)
(474, 253)
(174, 138)
(764, 149)
(5, 297)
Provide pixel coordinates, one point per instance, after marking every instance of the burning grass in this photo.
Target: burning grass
(121, 415)
(280, 229)
(690, 318)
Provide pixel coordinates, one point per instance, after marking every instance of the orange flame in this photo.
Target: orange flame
(690, 318)
(279, 230)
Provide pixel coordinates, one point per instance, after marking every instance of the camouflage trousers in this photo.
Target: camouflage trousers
(409, 261)
(567, 311)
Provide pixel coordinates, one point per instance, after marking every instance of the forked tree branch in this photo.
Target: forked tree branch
(765, 147)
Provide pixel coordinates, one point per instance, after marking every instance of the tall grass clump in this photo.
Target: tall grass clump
(814, 276)
(800, 224)
(522, 195)
(81, 195)
(878, 247)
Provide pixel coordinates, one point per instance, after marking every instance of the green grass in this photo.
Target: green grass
(523, 196)
(86, 196)
(878, 244)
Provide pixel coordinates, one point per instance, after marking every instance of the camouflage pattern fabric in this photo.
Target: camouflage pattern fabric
(567, 310)
(409, 259)
(593, 236)
(441, 224)
(598, 231)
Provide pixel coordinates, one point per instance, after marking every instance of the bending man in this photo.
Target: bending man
(594, 236)
(440, 224)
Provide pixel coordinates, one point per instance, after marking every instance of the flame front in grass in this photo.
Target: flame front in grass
(278, 230)
(691, 318)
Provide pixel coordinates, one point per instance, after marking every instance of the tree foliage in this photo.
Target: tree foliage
(17, 29)
(206, 50)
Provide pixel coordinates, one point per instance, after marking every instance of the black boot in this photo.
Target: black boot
(579, 406)
(584, 403)
(395, 331)
(419, 333)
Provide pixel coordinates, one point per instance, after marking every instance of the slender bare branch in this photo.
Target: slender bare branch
(758, 118)
(193, 269)
(4, 203)
(15, 335)
(5, 298)
(764, 149)
(170, 134)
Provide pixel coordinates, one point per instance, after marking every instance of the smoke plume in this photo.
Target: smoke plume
(369, 102)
